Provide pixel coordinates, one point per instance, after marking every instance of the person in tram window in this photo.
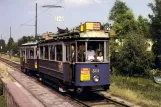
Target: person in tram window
(32, 55)
(73, 53)
(90, 54)
(100, 57)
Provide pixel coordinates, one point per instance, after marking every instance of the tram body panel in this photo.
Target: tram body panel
(86, 71)
(51, 68)
(31, 64)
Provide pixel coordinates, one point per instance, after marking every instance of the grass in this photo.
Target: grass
(2, 102)
(2, 99)
(138, 90)
(16, 59)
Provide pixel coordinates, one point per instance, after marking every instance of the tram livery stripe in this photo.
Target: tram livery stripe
(51, 69)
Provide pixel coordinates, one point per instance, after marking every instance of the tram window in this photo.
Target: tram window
(59, 52)
(23, 53)
(81, 50)
(46, 52)
(67, 52)
(31, 55)
(95, 51)
(41, 52)
(73, 52)
(107, 51)
(52, 52)
(27, 53)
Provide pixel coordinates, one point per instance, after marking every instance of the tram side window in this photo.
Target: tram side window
(107, 51)
(31, 56)
(41, 52)
(46, 52)
(52, 52)
(81, 51)
(67, 52)
(59, 52)
(27, 53)
(23, 53)
(95, 53)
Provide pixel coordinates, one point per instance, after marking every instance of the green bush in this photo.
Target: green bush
(132, 57)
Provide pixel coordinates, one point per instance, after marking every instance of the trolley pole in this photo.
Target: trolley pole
(36, 22)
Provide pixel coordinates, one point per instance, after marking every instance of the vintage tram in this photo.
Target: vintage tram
(28, 58)
(76, 59)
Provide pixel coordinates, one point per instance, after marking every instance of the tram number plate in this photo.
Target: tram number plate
(85, 74)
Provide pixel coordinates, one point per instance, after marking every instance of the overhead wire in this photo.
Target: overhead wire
(33, 18)
(40, 13)
(37, 16)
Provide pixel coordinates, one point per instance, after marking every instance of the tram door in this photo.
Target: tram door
(73, 59)
(70, 58)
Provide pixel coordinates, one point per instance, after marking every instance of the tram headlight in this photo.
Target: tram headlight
(96, 78)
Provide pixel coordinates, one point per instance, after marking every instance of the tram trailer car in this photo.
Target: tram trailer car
(65, 60)
(28, 58)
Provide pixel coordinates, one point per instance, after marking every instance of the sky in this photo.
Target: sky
(14, 13)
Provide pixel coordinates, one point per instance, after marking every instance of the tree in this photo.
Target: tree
(118, 9)
(10, 43)
(124, 20)
(15, 48)
(26, 39)
(143, 26)
(3, 44)
(155, 30)
(133, 57)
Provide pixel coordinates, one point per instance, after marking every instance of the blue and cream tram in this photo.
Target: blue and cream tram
(76, 59)
(28, 58)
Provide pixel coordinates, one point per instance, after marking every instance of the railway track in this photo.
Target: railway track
(86, 100)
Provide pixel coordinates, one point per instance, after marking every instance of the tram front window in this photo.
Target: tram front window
(95, 51)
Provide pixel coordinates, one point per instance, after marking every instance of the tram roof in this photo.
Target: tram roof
(29, 44)
(77, 34)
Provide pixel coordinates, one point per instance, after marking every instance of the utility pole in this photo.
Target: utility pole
(10, 44)
(36, 22)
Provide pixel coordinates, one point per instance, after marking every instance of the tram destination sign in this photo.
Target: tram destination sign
(92, 25)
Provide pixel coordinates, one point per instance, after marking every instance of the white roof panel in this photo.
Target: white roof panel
(29, 43)
(94, 34)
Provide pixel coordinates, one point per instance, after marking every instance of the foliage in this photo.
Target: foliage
(26, 39)
(10, 43)
(3, 44)
(138, 90)
(156, 31)
(143, 26)
(124, 20)
(132, 57)
(118, 9)
(14, 46)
